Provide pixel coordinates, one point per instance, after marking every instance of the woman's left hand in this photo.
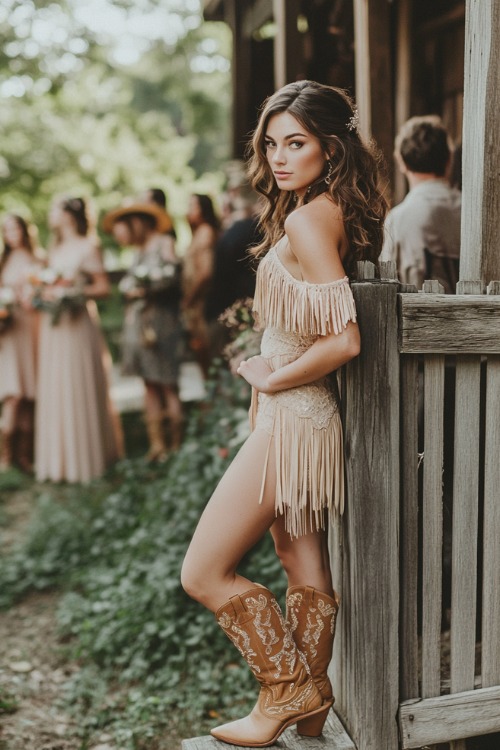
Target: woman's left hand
(256, 371)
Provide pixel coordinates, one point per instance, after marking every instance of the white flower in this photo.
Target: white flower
(7, 296)
(141, 271)
(49, 275)
(168, 271)
(156, 274)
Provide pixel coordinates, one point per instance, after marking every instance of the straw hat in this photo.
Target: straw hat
(163, 220)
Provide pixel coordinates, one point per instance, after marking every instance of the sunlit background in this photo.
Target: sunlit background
(104, 99)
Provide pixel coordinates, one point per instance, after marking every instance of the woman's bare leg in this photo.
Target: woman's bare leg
(153, 402)
(305, 559)
(232, 523)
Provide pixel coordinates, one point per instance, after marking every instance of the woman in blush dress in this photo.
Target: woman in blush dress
(197, 274)
(77, 434)
(17, 345)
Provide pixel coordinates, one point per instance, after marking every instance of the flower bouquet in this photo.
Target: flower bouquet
(245, 341)
(143, 280)
(55, 294)
(7, 303)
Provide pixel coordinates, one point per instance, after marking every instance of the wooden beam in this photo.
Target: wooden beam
(287, 42)
(456, 15)
(449, 717)
(403, 83)
(479, 255)
(255, 15)
(449, 324)
(241, 77)
(373, 67)
(366, 674)
(334, 735)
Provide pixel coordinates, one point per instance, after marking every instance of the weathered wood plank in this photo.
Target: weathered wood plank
(334, 735)
(432, 519)
(450, 324)
(370, 586)
(287, 43)
(449, 717)
(465, 523)
(408, 647)
(372, 34)
(491, 530)
(493, 287)
(479, 256)
(432, 286)
(388, 270)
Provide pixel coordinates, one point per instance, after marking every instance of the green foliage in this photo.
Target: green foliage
(118, 554)
(77, 119)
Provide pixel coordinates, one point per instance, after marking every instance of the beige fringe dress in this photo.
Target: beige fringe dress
(304, 421)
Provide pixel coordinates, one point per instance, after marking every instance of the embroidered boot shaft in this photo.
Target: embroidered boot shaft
(312, 617)
(255, 624)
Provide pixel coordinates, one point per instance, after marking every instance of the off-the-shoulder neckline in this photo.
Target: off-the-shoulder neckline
(336, 282)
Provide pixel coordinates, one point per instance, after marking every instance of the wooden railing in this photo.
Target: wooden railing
(408, 438)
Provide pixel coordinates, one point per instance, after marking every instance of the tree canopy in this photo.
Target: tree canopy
(104, 99)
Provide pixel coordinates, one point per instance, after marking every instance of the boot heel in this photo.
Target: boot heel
(313, 725)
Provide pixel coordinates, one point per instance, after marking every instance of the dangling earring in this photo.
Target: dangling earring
(328, 176)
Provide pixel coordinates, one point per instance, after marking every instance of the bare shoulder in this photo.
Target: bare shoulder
(317, 239)
(167, 247)
(206, 234)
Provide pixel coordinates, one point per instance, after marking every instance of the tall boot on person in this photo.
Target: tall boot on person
(255, 624)
(312, 617)
(157, 446)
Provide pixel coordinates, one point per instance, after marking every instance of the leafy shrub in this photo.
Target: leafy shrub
(118, 554)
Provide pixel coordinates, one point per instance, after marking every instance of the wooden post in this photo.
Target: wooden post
(240, 76)
(365, 671)
(479, 255)
(287, 51)
(372, 34)
(403, 82)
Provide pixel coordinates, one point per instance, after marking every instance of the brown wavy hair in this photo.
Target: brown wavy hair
(329, 114)
(26, 234)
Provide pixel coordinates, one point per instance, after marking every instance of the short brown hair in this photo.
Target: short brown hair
(423, 145)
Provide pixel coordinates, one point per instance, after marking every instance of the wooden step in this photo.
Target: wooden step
(334, 736)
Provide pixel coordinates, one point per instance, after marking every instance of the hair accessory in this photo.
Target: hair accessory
(353, 122)
(328, 176)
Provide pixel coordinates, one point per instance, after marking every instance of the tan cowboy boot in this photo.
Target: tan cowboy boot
(255, 624)
(312, 616)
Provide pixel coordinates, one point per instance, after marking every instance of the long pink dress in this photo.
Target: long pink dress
(77, 434)
(18, 343)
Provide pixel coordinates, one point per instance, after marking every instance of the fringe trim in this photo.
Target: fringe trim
(282, 301)
(309, 469)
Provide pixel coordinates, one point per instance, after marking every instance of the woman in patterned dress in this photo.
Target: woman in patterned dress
(323, 211)
(153, 335)
(18, 346)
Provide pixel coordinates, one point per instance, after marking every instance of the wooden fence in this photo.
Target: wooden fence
(412, 443)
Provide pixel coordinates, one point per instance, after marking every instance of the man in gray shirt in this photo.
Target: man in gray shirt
(422, 234)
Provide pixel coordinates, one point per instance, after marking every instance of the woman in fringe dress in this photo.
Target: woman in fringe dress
(323, 211)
